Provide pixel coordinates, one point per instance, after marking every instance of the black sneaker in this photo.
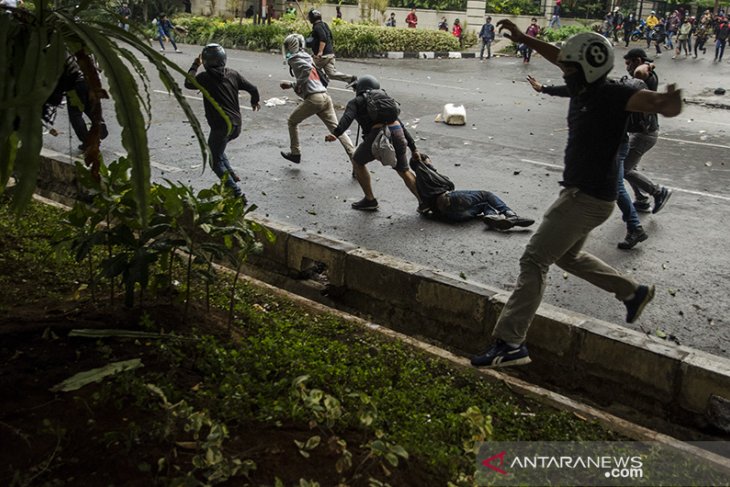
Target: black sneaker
(502, 355)
(295, 158)
(365, 205)
(518, 221)
(636, 305)
(497, 222)
(505, 222)
(642, 206)
(661, 199)
(633, 238)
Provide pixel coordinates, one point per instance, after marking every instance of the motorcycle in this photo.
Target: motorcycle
(640, 32)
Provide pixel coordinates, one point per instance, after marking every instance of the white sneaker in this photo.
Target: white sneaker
(162, 49)
(178, 50)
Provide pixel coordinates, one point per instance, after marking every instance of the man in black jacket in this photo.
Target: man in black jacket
(73, 81)
(223, 85)
(357, 110)
(597, 117)
(323, 48)
(643, 131)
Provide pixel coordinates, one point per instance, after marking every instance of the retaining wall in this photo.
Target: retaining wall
(609, 363)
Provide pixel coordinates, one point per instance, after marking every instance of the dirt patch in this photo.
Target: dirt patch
(102, 434)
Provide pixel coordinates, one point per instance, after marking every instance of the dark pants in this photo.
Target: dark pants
(719, 49)
(459, 206)
(76, 113)
(639, 144)
(364, 154)
(217, 141)
(628, 212)
(700, 44)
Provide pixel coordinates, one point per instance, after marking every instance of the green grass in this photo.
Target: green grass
(416, 400)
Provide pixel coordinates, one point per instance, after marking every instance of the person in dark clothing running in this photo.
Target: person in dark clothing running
(643, 131)
(323, 49)
(223, 85)
(597, 118)
(356, 110)
(74, 87)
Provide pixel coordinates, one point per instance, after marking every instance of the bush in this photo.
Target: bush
(351, 40)
(558, 35)
(515, 7)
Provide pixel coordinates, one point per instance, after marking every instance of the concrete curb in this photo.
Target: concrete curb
(429, 55)
(607, 362)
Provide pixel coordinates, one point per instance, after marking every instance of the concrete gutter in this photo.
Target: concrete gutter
(612, 365)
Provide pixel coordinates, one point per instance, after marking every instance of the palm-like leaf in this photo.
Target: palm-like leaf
(34, 47)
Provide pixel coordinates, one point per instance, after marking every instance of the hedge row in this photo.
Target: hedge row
(351, 40)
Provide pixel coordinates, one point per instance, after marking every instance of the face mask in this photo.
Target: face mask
(575, 83)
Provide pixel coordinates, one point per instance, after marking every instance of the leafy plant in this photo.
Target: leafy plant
(36, 41)
(208, 437)
(557, 35)
(351, 40)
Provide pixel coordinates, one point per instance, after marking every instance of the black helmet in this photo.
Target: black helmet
(314, 15)
(214, 56)
(365, 83)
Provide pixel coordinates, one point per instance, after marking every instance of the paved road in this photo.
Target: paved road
(512, 145)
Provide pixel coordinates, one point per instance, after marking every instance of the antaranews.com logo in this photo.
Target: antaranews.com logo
(618, 463)
(612, 467)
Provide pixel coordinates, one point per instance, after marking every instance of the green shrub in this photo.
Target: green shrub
(351, 40)
(515, 7)
(557, 35)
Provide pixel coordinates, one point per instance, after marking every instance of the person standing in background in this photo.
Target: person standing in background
(555, 18)
(486, 34)
(412, 19)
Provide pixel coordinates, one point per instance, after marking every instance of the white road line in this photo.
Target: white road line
(539, 163)
(190, 97)
(681, 190)
(435, 85)
(695, 143)
(158, 165)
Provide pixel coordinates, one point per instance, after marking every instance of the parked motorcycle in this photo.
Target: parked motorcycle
(640, 32)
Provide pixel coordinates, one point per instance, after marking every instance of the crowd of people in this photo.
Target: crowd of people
(679, 32)
(611, 125)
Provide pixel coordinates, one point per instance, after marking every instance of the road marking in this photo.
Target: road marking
(681, 190)
(191, 97)
(158, 165)
(539, 163)
(435, 85)
(707, 121)
(695, 143)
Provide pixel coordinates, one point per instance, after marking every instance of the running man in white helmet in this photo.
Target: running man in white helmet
(597, 117)
(315, 100)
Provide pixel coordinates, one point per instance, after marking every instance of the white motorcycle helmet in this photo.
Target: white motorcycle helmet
(591, 51)
(293, 43)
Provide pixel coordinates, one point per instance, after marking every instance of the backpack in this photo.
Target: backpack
(381, 107)
(429, 182)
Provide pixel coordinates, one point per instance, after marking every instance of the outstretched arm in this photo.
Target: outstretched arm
(548, 51)
(668, 104)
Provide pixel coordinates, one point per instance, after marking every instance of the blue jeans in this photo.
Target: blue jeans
(628, 212)
(488, 46)
(468, 204)
(170, 36)
(719, 49)
(554, 20)
(217, 141)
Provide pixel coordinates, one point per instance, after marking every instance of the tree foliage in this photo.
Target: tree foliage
(35, 42)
